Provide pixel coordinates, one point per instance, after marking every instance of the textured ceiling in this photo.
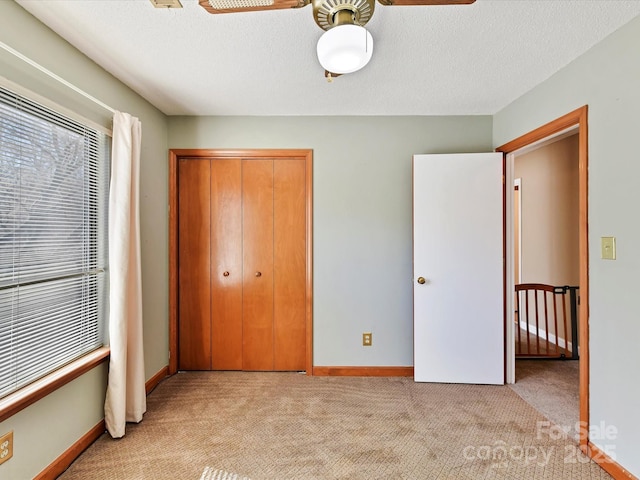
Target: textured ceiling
(449, 60)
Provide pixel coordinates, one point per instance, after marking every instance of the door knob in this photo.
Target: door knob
(226, 274)
(421, 280)
(258, 274)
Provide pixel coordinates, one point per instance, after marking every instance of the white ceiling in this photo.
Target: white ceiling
(448, 60)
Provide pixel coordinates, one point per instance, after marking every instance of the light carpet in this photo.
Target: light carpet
(289, 426)
(553, 388)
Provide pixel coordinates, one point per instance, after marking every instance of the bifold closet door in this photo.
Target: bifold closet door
(257, 246)
(226, 264)
(194, 273)
(274, 244)
(289, 260)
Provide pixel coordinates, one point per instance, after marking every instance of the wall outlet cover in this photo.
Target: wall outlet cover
(6, 447)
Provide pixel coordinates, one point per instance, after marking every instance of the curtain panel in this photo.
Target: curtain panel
(126, 396)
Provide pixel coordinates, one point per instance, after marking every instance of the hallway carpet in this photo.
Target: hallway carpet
(290, 426)
(553, 388)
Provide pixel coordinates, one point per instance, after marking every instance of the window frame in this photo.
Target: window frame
(31, 393)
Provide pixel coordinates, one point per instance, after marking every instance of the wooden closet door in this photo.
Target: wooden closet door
(257, 241)
(194, 329)
(226, 264)
(289, 293)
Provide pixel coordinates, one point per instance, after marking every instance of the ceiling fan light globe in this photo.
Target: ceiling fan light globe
(345, 48)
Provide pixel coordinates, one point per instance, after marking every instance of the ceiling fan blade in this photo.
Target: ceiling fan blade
(426, 2)
(233, 6)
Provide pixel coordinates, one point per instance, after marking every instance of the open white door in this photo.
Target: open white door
(458, 268)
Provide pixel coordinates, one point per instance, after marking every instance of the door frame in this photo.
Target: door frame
(174, 156)
(576, 118)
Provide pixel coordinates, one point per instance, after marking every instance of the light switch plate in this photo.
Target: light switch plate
(608, 245)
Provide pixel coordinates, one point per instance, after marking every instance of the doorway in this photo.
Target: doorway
(546, 276)
(546, 261)
(240, 260)
(573, 121)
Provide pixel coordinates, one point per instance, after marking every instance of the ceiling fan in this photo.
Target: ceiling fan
(346, 46)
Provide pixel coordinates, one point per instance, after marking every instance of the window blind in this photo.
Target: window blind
(54, 175)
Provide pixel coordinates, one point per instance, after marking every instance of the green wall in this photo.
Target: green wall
(362, 216)
(607, 79)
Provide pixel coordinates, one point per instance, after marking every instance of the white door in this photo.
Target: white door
(458, 268)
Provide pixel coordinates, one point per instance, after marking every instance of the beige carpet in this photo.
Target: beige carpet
(553, 388)
(289, 426)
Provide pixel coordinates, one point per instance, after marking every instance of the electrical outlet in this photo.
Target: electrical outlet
(367, 339)
(6, 447)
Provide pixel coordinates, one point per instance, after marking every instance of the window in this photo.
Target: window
(53, 240)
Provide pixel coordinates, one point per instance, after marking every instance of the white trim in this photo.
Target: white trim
(55, 77)
(517, 182)
(567, 132)
(510, 331)
(45, 102)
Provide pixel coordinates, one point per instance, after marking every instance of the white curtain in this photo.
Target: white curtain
(126, 397)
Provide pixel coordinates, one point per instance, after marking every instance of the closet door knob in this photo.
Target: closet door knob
(258, 274)
(225, 274)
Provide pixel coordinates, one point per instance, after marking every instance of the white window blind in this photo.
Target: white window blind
(53, 240)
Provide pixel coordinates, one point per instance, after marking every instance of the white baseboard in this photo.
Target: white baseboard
(561, 342)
